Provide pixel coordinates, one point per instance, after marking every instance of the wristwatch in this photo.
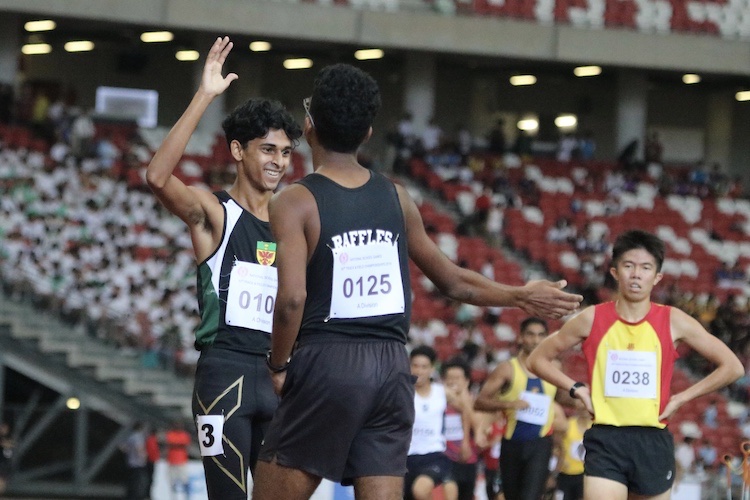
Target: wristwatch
(575, 386)
(276, 369)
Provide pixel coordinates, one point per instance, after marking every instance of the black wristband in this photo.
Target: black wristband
(276, 369)
(575, 386)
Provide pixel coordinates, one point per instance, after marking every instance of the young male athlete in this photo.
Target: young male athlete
(344, 234)
(531, 413)
(629, 346)
(427, 464)
(233, 398)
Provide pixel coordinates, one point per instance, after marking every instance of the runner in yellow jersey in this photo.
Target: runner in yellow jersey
(570, 477)
(629, 346)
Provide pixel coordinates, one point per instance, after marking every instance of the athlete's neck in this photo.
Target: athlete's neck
(254, 202)
(522, 357)
(423, 390)
(342, 168)
(632, 312)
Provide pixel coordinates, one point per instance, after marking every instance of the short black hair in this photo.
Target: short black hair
(635, 238)
(456, 362)
(343, 105)
(424, 350)
(533, 320)
(255, 118)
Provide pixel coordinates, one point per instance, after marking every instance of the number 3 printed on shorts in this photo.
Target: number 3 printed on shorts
(210, 430)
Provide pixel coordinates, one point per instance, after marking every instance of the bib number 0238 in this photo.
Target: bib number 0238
(631, 378)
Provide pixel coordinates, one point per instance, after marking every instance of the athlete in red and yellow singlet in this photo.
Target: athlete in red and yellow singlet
(630, 366)
(629, 348)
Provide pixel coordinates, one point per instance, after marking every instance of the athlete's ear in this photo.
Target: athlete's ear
(367, 137)
(658, 278)
(236, 149)
(613, 272)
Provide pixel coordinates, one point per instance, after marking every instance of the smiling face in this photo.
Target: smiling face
(636, 275)
(264, 160)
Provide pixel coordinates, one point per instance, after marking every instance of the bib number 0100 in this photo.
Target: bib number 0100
(246, 301)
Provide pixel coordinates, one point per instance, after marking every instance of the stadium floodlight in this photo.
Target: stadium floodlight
(366, 54)
(157, 36)
(79, 46)
(517, 80)
(528, 124)
(582, 71)
(36, 48)
(260, 46)
(298, 63)
(566, 121)
(187, 55)
(73, 403)
(42, 25)
(743, 95)
(690, 78)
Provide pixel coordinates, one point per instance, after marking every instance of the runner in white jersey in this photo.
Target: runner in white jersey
(428, 465)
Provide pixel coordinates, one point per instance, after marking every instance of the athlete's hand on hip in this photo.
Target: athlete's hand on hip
(212, 83)
(675, 402)
(547, 299)
(278, 381)
(584, 394)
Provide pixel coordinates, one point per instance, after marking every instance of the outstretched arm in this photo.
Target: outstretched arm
(538, 298)
(191, 204)
(728, 369)
(543, 359)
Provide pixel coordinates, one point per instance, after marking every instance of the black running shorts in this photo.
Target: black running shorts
(346, 411)
(642, 458)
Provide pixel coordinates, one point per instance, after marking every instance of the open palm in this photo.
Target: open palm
(212, 83)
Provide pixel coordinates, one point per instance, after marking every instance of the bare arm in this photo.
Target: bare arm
(487, 400)
(195, 207)
(538, 298)
(543, 360)
(288, 211)
(728, 367)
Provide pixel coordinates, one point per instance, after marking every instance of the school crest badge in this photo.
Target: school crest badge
(265, 253)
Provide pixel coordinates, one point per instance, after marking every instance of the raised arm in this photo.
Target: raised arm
(543, 359)
(538, 298)
(190, 204)
(728, 367)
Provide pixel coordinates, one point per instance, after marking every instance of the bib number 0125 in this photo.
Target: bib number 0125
(367, 285)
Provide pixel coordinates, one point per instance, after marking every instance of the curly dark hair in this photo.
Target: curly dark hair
(255, 118)
(635, 238)
(424, 350)
(344, 103)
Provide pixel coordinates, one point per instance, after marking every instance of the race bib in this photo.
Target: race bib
(630, 374)
(366, 281)
(454, 429)
(210, 430)
(577, 450)
(251, 296)
(538, 411)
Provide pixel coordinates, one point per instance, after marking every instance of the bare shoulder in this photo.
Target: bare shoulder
(580, 323)
(684, 326)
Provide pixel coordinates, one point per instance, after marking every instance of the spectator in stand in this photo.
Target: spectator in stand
(707, 455)
(566, 148)
(586, 146)
(653, 149)
(684, 454)
(496, 138)
(432, 137)
(82, 134)
(523, 145)
(562, 232)
(177, 440)
(711, 415)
